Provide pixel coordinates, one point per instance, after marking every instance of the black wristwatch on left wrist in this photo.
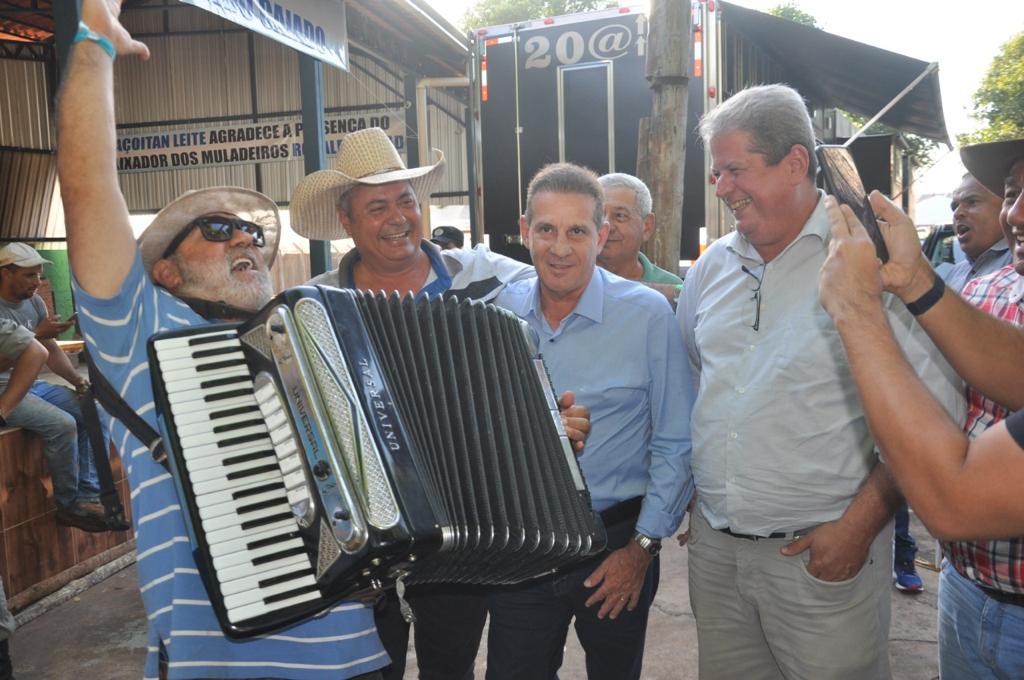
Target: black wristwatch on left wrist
(652, 546)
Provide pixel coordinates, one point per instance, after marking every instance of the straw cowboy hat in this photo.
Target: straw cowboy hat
(990, 162)
(365, 157)
(245, 204)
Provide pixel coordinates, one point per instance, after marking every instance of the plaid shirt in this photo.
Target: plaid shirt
(993, 564)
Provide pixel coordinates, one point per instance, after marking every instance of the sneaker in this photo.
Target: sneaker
(84, 516)
(906, 579)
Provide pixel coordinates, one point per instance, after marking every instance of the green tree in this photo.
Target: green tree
(493, 12)
(793, 12)
(999, 100)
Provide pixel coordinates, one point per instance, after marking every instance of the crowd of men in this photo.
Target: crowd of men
(798, 392)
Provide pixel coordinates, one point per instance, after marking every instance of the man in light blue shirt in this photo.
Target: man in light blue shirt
(976, 222)
(614, 343)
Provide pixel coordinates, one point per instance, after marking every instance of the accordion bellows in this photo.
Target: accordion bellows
(342, 441)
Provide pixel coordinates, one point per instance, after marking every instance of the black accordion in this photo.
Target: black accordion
(343, 441)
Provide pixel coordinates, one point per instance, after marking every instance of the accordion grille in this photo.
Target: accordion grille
(258, 340)
(351, 431)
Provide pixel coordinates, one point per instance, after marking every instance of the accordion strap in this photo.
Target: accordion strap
(117, 407)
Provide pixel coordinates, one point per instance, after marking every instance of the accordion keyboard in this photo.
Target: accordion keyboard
(243, 466)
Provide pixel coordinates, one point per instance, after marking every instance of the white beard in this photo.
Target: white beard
(212, 280)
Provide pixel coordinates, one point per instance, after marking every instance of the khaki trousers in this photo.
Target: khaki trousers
(760, 614)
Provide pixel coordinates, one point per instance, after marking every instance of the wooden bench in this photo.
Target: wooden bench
(37, 555)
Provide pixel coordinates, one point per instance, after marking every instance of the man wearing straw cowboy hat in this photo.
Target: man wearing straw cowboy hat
(206, 255)
(371, 196)
(964, 482)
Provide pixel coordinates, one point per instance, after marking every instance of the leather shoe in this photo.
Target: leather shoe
(84, 516)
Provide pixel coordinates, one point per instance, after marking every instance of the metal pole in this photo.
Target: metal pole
(312, 88)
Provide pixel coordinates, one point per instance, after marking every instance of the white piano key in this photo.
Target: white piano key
(191, 340)
(240, 448)
(192, 429)
(232, 495)
(213, 524)
(185, 364)
(210, 396)
(165, 354)
(211, 407)
(195, 382)
(245, 582)
(259, 594)
(222, 536)
(199, 439)
(221, 485)
(196, 466)
(241, 571)
(223, 472)
(232, 505)
(273, 535)
(212, 416)
(246, 557)
(239, 614)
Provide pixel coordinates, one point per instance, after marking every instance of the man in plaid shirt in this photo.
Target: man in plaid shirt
(984, 580)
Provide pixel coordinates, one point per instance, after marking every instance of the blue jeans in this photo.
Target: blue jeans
(903, 544)
(53, 412)
(530, 621)
(979, 638)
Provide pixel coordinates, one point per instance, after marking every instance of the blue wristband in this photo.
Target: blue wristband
(86, 33)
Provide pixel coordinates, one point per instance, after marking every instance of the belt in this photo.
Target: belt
(620, 512)
(1015, 599)
(787, 535)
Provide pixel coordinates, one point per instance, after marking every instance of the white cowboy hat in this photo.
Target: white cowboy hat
(364, 157)
(245, 204)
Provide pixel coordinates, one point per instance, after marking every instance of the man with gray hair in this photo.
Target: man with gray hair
(791, 540)
(628, 204)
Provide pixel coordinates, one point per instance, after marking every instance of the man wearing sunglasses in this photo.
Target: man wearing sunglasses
(206, 255)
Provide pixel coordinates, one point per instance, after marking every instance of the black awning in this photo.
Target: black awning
(832, 71)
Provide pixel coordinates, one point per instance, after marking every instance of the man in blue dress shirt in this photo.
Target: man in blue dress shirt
(615, 344)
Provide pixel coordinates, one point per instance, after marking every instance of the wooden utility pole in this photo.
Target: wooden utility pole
(662, 143)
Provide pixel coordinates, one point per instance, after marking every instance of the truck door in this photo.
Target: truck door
(571, 89)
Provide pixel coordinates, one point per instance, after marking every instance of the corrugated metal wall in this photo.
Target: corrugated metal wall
(29, 206)
(24, 109)
(207, 76)
(201, 80)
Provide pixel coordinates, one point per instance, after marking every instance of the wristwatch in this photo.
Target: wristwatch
(652, 546)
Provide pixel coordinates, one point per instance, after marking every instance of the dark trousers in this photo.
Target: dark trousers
(449, 623)
(530, 621)
(904, 545)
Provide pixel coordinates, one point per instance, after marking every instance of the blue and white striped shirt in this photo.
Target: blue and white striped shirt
(340, 644)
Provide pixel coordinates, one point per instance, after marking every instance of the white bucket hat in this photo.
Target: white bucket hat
(245, 204)
(364, 157)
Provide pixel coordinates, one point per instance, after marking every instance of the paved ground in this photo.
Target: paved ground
(100, 634)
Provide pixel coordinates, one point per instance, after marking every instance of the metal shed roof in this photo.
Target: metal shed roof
(833, 71)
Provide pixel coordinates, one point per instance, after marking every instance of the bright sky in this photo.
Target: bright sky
(962, 37)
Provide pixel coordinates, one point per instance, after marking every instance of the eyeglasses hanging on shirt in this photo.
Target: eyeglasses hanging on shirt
(756, 297)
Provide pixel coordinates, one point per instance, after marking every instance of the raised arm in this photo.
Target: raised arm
(100, 239)
(909, 275)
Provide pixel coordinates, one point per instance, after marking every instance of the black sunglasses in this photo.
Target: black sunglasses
(216, 228)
